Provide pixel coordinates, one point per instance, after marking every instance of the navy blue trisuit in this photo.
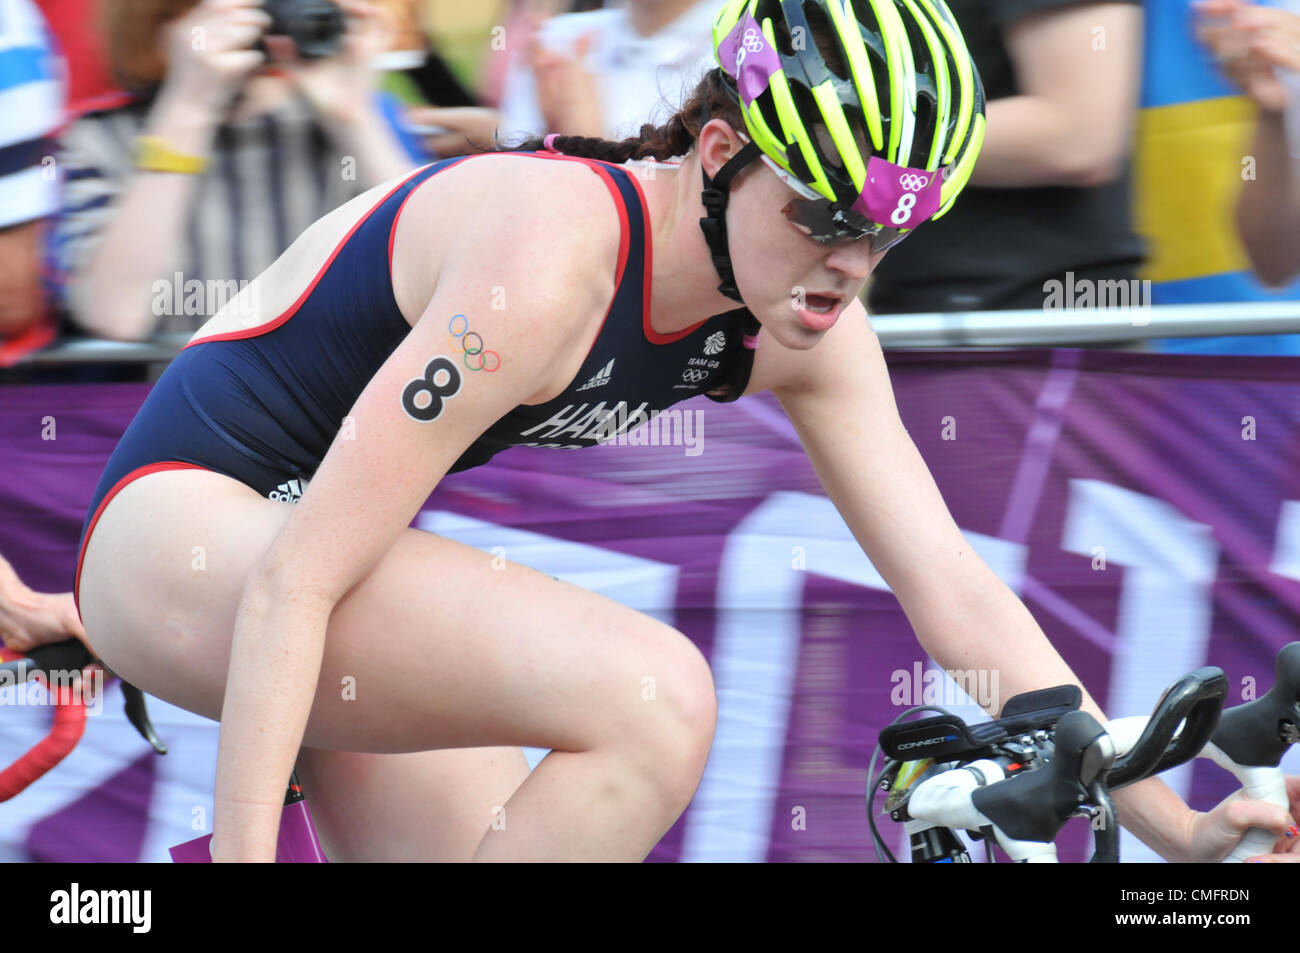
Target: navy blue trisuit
(262, 405)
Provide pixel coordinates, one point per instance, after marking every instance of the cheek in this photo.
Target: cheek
(767, 254)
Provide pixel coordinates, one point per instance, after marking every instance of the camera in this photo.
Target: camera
(315, 26)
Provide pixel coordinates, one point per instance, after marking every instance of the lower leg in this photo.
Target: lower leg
(421, 806)
(582, 806)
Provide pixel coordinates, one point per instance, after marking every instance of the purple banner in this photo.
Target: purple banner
(1145, 507)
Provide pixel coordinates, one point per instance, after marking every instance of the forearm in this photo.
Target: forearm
(143, 240)
(1023, 660)
(363, 134)
(275, 663)
(1268, 206)
(1031, 141)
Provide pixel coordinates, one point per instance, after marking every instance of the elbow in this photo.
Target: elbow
(100, 314)
(1273, 267)
(1273, 255)
(278, 582)
(106, 326)
(1088, 165)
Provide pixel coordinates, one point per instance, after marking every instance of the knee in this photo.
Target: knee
(673, 723)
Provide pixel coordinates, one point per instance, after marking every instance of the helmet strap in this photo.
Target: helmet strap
(714, 197)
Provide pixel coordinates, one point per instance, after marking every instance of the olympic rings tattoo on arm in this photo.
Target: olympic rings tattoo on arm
(460, 341)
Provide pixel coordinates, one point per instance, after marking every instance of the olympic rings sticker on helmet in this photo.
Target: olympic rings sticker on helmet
(463, 346)
(898, 196)
(754, 59)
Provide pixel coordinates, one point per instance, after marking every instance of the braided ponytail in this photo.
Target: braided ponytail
(674, 138)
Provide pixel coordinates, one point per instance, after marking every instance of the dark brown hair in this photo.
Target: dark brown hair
(132, 31)
(675, 138)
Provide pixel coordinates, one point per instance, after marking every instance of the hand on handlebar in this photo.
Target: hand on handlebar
(29, 619)
(1212, 834)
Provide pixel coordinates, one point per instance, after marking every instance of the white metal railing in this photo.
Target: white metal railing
(1036, 328)
(1065, 327)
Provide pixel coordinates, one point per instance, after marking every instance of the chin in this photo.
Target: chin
(790, 333)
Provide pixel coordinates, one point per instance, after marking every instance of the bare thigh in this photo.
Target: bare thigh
(434, 649)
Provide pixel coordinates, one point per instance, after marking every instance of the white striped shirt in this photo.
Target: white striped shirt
(269, 177)
(32, 86)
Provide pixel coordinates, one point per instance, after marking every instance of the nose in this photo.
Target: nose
(855, 260)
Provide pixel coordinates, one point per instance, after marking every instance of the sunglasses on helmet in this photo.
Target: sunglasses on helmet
(829, 222)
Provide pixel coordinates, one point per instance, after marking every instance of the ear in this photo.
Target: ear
(717, 143)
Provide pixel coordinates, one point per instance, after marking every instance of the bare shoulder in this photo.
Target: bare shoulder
(509, 225)
(848, 352)
(509, 195)
(528, 248)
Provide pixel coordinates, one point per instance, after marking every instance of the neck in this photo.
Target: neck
(684, 284)
(650, 16)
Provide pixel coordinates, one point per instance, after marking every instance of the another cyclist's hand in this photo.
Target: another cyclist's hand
(1213, 834)
(29, 619)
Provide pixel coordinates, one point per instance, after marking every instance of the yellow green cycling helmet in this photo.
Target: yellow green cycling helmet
(816, 80)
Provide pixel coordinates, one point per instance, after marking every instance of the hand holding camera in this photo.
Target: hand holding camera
(330, 56)
(323, 47)
(211, 51)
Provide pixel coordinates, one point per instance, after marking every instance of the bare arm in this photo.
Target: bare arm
(1252, 44)
(1268, 207)
(963, 615)
(1079, 67)
(144, 234)
(341, 529)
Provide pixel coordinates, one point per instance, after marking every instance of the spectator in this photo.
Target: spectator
(1051, 191)
(221, 162)
(31, 110)
(606, 72)
(1258, 49)
(72, 22)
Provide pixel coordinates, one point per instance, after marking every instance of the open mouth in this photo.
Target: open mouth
(821, 304)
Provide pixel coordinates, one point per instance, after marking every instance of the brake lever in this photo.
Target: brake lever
(1034, 805)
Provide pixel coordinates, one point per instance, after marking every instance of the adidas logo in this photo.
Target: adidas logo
(602, 376)
(290, 492)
